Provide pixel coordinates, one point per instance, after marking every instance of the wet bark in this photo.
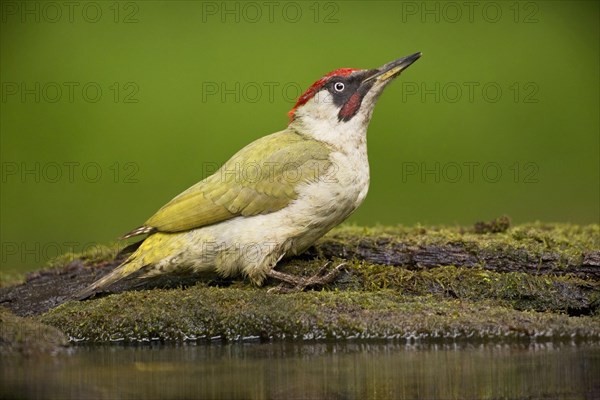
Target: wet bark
(414, 256)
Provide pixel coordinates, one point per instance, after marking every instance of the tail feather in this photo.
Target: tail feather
(127, 268)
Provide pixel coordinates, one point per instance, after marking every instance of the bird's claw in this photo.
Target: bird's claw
(299, 284)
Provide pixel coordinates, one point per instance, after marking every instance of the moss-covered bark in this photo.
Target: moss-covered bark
(232, 314)
(533, 248)
(489, 282)
(27, 337)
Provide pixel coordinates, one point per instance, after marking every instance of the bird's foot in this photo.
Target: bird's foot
(298, 283)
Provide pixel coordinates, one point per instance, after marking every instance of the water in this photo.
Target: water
(314, 371)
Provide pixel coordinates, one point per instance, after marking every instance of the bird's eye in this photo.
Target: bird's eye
(339, 86)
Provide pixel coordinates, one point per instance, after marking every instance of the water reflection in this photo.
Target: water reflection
(315, 371)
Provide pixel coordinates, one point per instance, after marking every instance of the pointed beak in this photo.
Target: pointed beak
(392, 69)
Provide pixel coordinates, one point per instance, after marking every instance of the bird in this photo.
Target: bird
(273, 198)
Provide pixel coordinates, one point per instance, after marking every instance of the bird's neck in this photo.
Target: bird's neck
(346, 137)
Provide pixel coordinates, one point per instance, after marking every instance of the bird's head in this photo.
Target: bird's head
(342, 101)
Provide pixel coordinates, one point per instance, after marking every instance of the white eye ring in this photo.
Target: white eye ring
(339, 86)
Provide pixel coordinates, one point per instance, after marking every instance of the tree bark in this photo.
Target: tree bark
(414, 256)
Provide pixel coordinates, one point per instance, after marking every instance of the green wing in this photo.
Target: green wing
(259, 179)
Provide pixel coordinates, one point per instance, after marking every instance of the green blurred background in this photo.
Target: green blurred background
(109, 109)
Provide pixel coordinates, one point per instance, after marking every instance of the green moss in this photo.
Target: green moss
(567, 240)
(25, 336)
(93, 255)
(559, 246)
(235, 314)
(497, 225)
(477, 299)
(517, 290)
(534, 237)
(11, 278)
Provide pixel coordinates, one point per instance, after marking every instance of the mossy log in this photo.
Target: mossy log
(488, 283)
(534, 249)
(232, 314)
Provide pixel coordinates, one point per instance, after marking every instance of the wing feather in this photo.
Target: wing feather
(261, 178)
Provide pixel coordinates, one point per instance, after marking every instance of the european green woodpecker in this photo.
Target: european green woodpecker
(273, 198)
